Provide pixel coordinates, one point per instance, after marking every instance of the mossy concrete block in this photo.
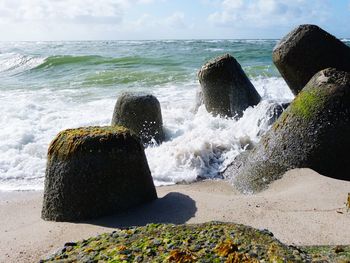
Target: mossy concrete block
(93, 172)
(227, 91)
(313, 132)
(140, 113)
(307, 50)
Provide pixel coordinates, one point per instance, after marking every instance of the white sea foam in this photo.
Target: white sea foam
(15, 63)
(197, 145)
(29, 121)
(214, 49)
(202, 145)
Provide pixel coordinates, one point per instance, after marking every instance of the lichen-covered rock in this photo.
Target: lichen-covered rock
(313, 132)
(140, 113)
(336, 254)
(227, 91)
(209, 242)
(307, 50)
(95, 171)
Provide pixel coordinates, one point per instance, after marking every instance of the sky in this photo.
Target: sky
(167, 19)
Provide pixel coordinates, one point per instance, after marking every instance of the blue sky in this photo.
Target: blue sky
(167, 19)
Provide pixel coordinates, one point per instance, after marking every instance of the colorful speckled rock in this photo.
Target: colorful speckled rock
(313, 132)
(95, 171)
(207, 243)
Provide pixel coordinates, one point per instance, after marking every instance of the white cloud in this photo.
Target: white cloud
(66, 11)
(146, 1)
(67, 19)
(232, 4)
(267, 13)
(151, 26)
(176, 20)
(146, 19)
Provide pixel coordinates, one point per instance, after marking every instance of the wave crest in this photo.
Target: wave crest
(14, 63)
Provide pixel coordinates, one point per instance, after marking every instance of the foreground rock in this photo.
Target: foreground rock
(210, 242)
(313, 132)
(227, 91)
(140, 113)
(95, 171)
(307, 50)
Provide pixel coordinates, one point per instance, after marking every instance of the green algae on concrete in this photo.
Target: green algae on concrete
(93, 172)
(71, 140)
(209, 242)
(308, 102)
(313, 132)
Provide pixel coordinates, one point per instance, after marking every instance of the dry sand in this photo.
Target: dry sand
(302, 208)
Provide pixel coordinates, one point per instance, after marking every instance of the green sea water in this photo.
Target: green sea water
(123, 63)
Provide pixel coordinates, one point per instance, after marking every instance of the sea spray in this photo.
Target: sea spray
(203, 146)
(39, 101)
(13, 63)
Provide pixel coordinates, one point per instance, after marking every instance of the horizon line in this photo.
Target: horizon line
(159, 39)
(156, 39)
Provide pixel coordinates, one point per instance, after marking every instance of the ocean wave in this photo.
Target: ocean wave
(65, 60)
(141, 78)
(93, 70)
(13, 63)
(55, 61)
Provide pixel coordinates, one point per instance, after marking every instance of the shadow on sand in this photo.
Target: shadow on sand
(175, 208)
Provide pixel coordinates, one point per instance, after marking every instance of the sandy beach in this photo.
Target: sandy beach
(302, 208)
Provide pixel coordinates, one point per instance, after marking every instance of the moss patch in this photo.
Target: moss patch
(305, 105)
(336, 254)
(308, 102)
(69, 141)
(210, 242)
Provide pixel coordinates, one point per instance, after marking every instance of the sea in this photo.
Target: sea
(46, 87)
